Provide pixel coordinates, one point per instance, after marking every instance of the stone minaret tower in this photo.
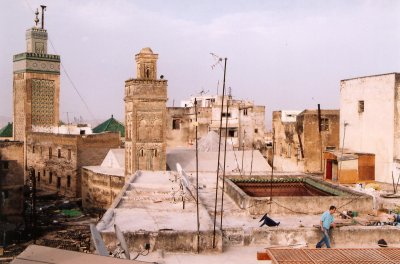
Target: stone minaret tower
(145, 116)
(36, 86)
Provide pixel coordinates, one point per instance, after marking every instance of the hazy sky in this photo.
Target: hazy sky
(281, 54)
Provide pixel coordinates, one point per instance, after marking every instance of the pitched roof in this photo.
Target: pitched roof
(110, 125)
(7, 131)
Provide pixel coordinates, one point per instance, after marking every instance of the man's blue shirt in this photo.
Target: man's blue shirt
(327, 219)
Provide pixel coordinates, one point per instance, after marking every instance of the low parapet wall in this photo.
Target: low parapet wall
(347, 236)
(167, 240)
(342, 198)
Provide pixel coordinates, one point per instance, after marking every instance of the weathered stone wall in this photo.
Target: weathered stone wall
(99, 190)
(168, 240)
(11, 177)
(299, 204)
(315, 143)
(54, 158)
(57, 158)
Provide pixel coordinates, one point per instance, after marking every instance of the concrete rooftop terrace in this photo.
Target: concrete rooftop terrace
(146, 212)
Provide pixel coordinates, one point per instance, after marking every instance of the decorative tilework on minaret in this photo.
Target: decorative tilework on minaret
(36, 83)
(145, 116)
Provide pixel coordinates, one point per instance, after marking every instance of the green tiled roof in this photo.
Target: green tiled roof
(7, 131)
(111, 125)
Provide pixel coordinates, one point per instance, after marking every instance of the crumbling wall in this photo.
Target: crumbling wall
(99, 190)
(11, 178)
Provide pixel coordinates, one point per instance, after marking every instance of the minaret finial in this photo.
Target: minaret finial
(36, 18)
(43, 9)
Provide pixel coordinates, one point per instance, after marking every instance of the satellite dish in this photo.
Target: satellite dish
(122, 241)
(98, 241)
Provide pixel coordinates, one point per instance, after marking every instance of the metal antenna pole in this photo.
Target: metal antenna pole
(272, 172)
(197, 182)
(219, 153)
(244, 135)
(223, 175)
(43, 9)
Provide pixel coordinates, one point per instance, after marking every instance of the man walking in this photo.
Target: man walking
(326, 223)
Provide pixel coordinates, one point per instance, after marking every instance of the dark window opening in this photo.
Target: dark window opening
(58, 183)
(50, 177)
(69, 154)
(6, 165)
(141, 153)
(324, 124)
(256, 130)
(226, 115)
(50, 153)
(69, 181)
(33, 149)
(147, 73)
(176, 124)
(38, 176)
(245, 112)
(155, 153)
(360, 106)
(59, 153)
(232, 133)
(82, 132)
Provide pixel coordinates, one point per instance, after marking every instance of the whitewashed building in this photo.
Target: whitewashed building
(369, 120)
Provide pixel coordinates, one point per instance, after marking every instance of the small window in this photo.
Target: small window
(58, 183)
(38, 176)
(82, 132)
(69, 154)
(361, 106)
(69, 181)
(5, 165)
(256, 130)
(141, 153)
(59, 153)
(226, 114)
(41, 150)
(232, 133)
(50, 152)
(245, 112)
(44, 173)
(33, 149)
(324, 124)
(50, 177)
(155, 153)
(176, 124)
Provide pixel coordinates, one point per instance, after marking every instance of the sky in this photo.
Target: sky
(285, 55)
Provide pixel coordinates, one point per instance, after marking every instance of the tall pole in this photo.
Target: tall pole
(219, 153)
(320, 135)
(43, 9)
(197, 182)
(272, 172)
(223, 174)
(244, 135)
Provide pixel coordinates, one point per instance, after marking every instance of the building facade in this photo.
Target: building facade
(57, 159)
(370, 120)
(300, 139)
(145, 116)
(246, 121)
(11, 178)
